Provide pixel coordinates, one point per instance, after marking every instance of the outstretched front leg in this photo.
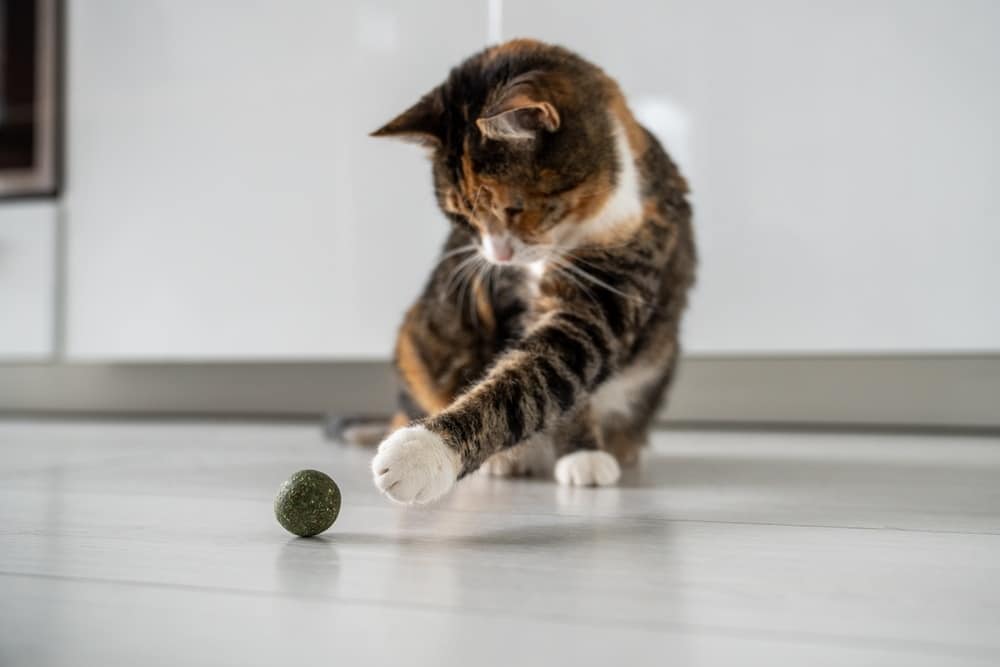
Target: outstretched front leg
(574, 346)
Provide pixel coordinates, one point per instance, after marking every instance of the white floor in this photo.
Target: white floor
(155, 544)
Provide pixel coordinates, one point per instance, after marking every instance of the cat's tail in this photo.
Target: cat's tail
(363, 430)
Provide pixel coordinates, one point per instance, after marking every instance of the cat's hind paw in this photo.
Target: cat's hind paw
(414, 465)
(587, 468)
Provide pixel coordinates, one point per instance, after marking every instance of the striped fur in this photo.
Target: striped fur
(578, 346)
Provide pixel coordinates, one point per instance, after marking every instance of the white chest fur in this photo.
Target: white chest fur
(624, 206)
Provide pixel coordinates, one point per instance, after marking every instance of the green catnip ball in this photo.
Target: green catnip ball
(307, 503)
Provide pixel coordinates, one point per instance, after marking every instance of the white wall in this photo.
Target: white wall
(225, 202)
(224, 198)
(843, 157)
(27, 280)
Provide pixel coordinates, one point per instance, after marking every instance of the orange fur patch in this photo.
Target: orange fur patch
(418, 379)
(469, 178)
(589, 198)
(484, 305)
(514, 47)
(633, 131)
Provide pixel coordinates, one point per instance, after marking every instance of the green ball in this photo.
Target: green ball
(307, 503)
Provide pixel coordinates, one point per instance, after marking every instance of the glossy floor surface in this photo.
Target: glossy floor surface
(150, 543)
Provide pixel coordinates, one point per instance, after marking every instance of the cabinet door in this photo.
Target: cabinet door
(27, 280)
(224, 198)
(842, 156)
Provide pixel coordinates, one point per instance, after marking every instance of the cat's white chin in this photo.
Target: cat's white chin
(587, 468)
(415, 466)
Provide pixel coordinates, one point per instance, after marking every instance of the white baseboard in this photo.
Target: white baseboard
(912, 391)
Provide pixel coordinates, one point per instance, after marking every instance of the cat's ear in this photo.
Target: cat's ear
(422, 123)
(519, 112)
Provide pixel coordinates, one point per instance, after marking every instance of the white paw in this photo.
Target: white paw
(414, 465)
(587, 468)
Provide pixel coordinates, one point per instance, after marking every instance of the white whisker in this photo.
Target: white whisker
(458, 251)
(457, 274)
(468, 289)
(476, 201)
(569, 266)
(581, 286)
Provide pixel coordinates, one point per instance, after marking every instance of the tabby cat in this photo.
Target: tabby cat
(548, 331)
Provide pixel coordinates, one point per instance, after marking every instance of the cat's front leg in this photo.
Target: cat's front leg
(533, 386)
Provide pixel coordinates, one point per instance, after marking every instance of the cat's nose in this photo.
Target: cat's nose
(498, 248)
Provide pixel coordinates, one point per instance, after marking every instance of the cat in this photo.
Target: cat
(548, 331)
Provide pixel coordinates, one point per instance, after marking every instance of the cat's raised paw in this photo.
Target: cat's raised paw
(414, 465)
(587, 468)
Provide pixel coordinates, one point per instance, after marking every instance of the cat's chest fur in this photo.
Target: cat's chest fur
(519, 302)
(516, 298)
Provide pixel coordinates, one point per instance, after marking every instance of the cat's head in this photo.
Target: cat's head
(523, 146)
